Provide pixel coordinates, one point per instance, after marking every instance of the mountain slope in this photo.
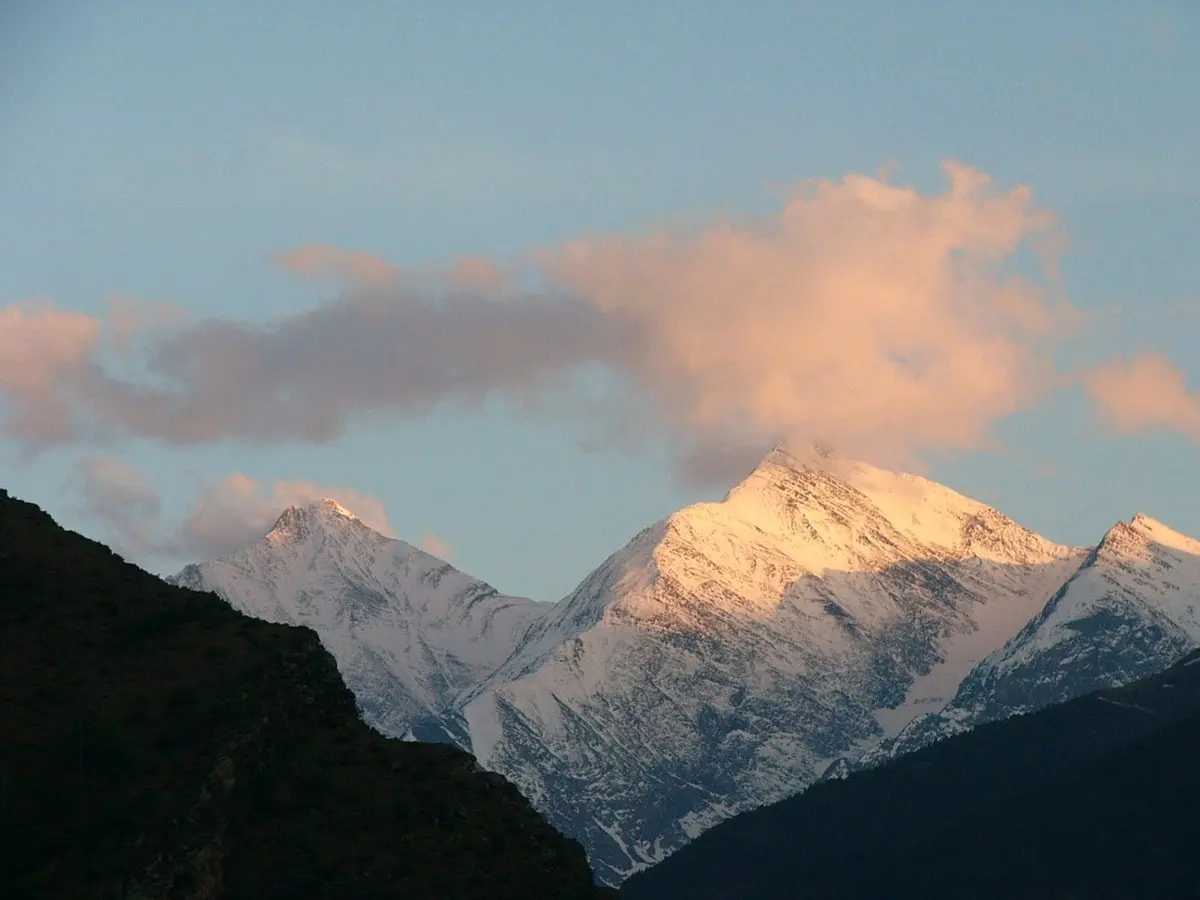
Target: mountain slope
(1093, 798)
(824, 616)
(730, 652)
(409, 631)
(1130, 610)
(156, 744)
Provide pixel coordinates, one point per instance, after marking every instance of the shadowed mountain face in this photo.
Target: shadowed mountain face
(409, 632)
(1131, 610)
(158, 744)
(1094, 798)
(824, 615)
(718, 662)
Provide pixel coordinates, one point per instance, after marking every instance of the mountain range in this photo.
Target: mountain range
(1092, 798)
(1130, 610)
(826, 615)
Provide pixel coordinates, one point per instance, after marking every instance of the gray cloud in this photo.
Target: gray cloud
(388, 350)
(112, 491)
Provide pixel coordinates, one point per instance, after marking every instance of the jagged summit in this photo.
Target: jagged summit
(1146, 530)
(298, 520)
(408, 630)
(1130, 609)
(837, 506)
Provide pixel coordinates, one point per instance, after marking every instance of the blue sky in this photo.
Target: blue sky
(170, 153)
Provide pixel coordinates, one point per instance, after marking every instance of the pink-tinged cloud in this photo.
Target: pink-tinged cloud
(130, 318)
(227, 515)
(477, 273)
(437, 546)
(44, 354)
(880, 319)
(236, 510)
(865, 314)
(323, 261)
(1143, 394)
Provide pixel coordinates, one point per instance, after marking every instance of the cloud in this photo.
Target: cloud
(130, 318)
(230, 513)
(1143, 394)
(237, 510)
(112, 491)
(54, 386)
(43, 351)
(436, 546)
(322, 261)
(401, 350)
(883, 320)
(865, 314)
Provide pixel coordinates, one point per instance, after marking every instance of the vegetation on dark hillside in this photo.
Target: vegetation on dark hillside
(1095, 798)
(156, 744)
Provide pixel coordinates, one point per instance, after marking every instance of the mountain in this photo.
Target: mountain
(157, 744)
(1131, 609)
(409, 631)
(1094, 798)
(824, 616)
(730, 652)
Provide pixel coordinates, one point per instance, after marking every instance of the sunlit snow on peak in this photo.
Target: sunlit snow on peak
(336, 507)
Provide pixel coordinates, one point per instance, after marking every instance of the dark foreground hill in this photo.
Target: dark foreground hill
(156, 744)
(1095, 798)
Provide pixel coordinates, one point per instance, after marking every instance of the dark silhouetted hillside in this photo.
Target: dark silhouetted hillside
(156, 744)
(1095, 798)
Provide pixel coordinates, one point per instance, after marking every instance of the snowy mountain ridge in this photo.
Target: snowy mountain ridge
(409, 631)
(725, 656)
(823, 614)
(1131, 610)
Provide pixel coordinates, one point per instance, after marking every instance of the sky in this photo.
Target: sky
(513, 281)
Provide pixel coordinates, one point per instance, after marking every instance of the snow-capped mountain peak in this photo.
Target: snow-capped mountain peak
(408, 630)
(729, 652)
(923, 510)
(1141, 532)
(296, 522)
(1131, 609)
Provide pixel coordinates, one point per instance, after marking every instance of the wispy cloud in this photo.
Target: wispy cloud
(876, 317)
(228, 514)
(1144, 394)
(236, 510)
(437, 546)
(323, 261)
(43, 351)
(113, 492)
